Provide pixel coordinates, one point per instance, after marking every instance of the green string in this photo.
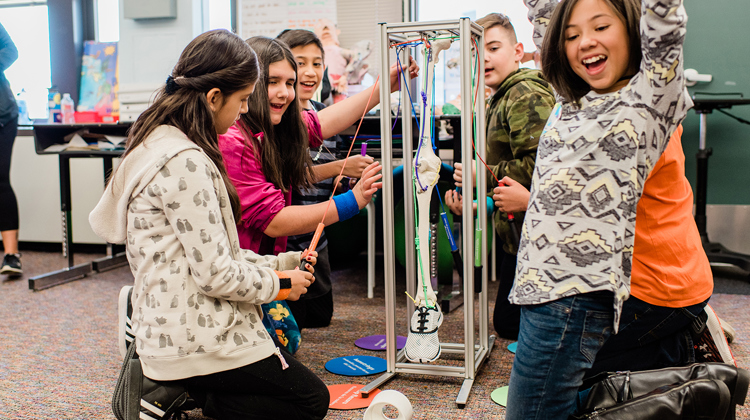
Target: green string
(417, 244)
(475, 123)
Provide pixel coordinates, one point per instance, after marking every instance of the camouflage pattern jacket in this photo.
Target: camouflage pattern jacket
(516, 115)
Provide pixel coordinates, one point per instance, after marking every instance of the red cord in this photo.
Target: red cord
(476, 94)
(321, 225)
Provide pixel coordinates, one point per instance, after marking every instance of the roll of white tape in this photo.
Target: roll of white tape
(389, 397)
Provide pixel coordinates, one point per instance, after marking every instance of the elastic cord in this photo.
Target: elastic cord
(346, 205)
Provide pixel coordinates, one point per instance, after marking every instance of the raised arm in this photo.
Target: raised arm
(340, 116)
(540, 12)
(662, 36)
(353, 167)
(297, 220)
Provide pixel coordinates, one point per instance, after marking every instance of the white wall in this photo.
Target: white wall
(150, 48)
(36, 182)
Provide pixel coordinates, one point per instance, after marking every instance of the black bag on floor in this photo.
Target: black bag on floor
(697, 399)
(612, 388)
(138, 397)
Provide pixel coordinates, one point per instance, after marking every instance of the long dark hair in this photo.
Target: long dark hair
(283, 153)
(555, 65)
(215, 59)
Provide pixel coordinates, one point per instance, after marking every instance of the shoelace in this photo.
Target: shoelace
(422, 319)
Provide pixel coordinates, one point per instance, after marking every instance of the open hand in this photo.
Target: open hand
(368, 185)
(455, 202)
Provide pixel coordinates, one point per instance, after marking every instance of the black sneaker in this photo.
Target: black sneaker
(162, 400)
(153, 400)
(709, 341)
(124, 314)
(11, 265)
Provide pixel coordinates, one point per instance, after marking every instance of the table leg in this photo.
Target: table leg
(72, 272)
(716, 252)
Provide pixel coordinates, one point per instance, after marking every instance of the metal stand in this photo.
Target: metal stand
(370, 250)
(475, 349)
(715, 251)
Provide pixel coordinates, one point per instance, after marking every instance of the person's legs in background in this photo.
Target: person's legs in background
(506, 316)
(557, 343)
(315, 309)
(11, 264)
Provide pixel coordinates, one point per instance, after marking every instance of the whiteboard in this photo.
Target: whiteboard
(269, 17)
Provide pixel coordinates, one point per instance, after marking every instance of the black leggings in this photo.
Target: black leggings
(8, 203)
(317, 311)
(262, 390)
(507, 317)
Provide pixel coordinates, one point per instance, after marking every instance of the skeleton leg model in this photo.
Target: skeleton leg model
(422, 344)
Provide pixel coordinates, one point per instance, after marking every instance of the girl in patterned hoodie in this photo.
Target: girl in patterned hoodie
(197, 295)
(617, 69)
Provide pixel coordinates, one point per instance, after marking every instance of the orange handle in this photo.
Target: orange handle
(315, 239)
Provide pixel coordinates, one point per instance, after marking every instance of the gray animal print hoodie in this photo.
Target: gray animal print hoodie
(197, 295)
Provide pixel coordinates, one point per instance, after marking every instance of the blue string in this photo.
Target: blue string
(411, 101)
(421, 129)
(419, 147)
(444, 217)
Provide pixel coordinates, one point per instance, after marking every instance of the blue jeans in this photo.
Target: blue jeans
(650, 337)
(557, 343)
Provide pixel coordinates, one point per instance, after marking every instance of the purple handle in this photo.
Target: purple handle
(364, 148)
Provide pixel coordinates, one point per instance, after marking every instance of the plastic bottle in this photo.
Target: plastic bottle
(67, 108)
(23, 109)
(53, 105)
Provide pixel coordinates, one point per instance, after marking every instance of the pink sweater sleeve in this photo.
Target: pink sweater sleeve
(260, 200)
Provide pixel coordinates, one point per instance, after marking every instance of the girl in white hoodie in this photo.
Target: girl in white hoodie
(196, 298)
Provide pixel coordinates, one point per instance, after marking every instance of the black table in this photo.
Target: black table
(370, 130)
(715, 251)
(449, 289)
(46, 135)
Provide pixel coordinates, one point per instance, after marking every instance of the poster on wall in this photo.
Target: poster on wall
(99, 78)
(269, 17)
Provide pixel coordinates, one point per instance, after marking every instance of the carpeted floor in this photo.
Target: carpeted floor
(60, 360)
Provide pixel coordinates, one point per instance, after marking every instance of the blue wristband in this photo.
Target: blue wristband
(346, 205)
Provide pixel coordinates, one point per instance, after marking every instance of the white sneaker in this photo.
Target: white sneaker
(710, 343)
(422, 344)
(729, 331)
(124, 313)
